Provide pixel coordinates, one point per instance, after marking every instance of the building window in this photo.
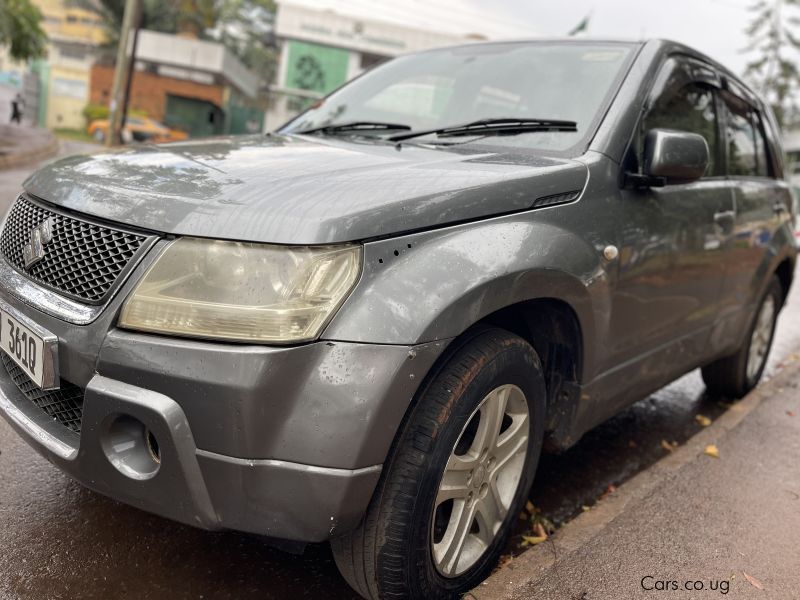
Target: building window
(72, 52)
(70, 88)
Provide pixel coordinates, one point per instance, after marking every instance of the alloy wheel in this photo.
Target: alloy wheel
(761, 338)
(480, 480)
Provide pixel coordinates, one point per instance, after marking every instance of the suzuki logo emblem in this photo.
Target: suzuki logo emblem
(41, 235)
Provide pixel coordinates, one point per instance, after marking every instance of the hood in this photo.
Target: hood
(299, 190)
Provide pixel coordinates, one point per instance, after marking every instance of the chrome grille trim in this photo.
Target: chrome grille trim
(85, 260)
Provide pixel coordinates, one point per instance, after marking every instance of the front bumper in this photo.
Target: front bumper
(270, 497)
(283, 442)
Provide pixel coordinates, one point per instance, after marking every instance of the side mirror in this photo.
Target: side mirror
(675, 156)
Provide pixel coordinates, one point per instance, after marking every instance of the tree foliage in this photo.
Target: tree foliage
(166, 16)
(21, 30)
(246, 28)
(243, 26)
(775, 43)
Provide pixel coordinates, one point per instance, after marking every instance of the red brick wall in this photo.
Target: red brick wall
(149, 91)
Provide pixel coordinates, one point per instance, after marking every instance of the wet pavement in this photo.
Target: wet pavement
(60, 540)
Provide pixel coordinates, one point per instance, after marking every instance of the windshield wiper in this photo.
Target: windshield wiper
(355, 127)
(487, 126)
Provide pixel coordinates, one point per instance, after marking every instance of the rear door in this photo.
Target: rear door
(761, 204)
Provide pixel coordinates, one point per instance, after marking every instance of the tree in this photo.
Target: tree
(20, 29)
(157, 15)
(243, 26)
(773, 71)
(246, 29)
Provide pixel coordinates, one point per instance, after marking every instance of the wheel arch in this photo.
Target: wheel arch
(553, 328)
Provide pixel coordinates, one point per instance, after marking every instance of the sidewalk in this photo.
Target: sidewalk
(690, 519)
(20, 144)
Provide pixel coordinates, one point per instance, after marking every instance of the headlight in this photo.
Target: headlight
(241, 291)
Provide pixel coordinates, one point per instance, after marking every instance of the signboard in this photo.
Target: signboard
(331, 28)
(315, 68)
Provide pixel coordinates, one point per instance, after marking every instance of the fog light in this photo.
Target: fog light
(131, 448)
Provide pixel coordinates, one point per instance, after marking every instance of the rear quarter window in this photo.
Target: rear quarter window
(746, 146)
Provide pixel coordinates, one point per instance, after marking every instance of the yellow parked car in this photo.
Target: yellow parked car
(138, 129)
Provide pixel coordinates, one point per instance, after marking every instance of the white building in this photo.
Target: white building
(324, 43)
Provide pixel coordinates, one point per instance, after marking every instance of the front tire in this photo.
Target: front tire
(734, 376)
(457, 478)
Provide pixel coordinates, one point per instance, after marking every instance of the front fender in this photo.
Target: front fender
(434, 285)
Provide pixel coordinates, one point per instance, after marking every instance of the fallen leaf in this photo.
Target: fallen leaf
(609, 490)
(504, 560)
(585, 508)
(753, 581)
(547, 524)
(790, 413)
(538, 529)
(530, 507)
(712, 450)
(529, 540)
(523, 516)
(667, 446)
(703, 420)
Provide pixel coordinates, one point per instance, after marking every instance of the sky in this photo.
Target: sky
(715, 27)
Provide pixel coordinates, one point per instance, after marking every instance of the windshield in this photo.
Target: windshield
(453, 86)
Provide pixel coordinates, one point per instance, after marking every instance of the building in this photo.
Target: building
(324, 43)
(74, 37)
(194, 85)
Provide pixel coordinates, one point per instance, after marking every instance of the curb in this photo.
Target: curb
(534, 562)
(43, 152)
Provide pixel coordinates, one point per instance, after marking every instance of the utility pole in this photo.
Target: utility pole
(121, 69)
(131, 66)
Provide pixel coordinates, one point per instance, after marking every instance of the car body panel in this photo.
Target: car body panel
(658, 285)
(140, 129)
(305, 190)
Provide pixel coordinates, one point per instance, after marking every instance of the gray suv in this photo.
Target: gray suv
(363, 328)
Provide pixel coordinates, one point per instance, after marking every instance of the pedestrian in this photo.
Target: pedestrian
(16, 109)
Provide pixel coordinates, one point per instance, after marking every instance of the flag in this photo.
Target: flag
(581, 27)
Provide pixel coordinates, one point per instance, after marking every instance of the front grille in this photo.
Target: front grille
(83, 260)
(64, 405)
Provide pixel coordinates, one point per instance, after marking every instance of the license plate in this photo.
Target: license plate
(25, 348)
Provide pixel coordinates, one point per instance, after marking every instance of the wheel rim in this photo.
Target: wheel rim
(480, 480)
(761, 338)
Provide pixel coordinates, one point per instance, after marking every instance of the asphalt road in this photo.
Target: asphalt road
(60, 540)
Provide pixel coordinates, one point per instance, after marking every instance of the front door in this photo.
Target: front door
(673, 241)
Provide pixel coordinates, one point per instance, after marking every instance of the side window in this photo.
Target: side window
(691, 108)
(747, 148)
